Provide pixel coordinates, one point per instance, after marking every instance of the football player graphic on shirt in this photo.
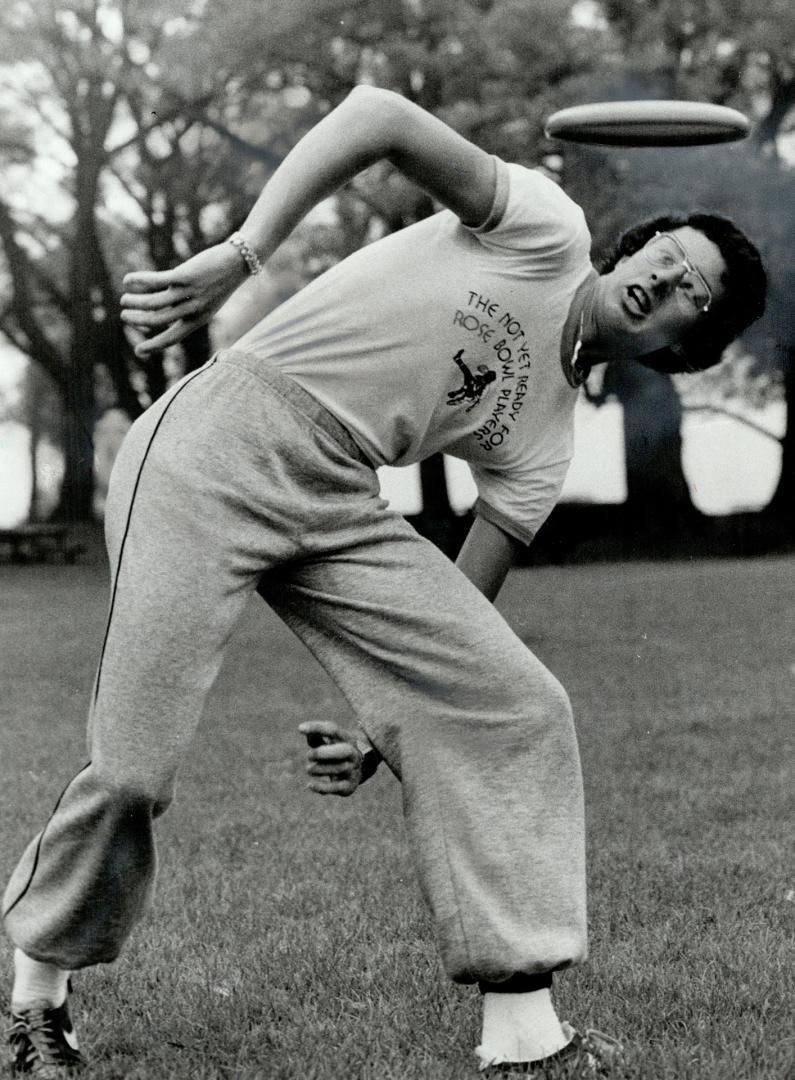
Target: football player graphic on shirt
(474, 385)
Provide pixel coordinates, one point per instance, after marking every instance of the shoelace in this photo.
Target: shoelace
(34, 1036)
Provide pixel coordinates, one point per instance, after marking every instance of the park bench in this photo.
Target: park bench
(39, 543)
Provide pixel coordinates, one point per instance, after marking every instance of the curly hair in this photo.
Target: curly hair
(744, 282)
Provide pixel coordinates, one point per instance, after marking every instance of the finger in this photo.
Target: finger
(339, 772)
(171, 336)
(333, 752)
(320, 732)
(327, 728)
(144, 301)
(149, 280)
(339, 787)
(149, 320)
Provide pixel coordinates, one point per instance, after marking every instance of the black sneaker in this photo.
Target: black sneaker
(587, 1055)
(43, 1043)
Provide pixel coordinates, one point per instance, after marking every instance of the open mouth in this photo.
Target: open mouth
(639, 300)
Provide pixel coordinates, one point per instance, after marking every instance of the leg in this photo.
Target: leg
(213, 485)
(478, 730)
(230, 473)
(85, 880)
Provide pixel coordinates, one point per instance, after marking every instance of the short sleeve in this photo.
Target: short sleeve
(519, 501)
(531, 213)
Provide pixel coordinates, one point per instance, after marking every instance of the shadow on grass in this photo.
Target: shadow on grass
(287, 938)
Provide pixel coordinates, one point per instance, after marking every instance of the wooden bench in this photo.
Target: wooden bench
(39, 543)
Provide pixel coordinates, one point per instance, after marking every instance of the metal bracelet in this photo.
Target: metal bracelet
(250, 256)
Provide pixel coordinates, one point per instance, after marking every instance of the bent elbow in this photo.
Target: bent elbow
(379, 111)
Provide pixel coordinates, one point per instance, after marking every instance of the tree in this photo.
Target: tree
(178, 117)
(62, 301)
(79, 71)
(740, 54)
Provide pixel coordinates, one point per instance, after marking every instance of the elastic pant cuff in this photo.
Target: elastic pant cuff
(517, 984)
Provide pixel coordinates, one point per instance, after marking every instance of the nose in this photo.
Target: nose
(668, 277)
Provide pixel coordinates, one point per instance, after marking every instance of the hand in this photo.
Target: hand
(333, 757)
(176, 302)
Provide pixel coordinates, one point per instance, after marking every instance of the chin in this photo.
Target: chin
(665, 360)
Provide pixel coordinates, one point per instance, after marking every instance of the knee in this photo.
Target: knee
(134, 792)
(559, 702)
(520, 688)
(544, 700)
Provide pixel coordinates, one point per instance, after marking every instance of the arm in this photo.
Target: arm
(487, 556)
(370, 125)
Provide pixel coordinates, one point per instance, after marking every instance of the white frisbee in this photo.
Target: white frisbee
(648, 123)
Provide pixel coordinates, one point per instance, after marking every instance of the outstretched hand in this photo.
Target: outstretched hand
(173, 303)
(333, 759)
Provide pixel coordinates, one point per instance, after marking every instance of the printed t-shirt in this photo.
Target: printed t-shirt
(442, 337)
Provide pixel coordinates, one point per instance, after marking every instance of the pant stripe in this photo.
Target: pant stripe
(29, 882)
(129, 519)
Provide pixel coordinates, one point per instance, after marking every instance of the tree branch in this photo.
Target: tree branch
(21, 306)
(168, 117)
(715, 410)
(253, 150)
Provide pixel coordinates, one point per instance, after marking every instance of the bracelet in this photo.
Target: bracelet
(250, 256)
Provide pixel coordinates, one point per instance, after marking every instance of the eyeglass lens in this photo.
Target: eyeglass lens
(664, 251)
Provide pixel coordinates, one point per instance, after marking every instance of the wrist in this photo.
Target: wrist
(370, 758)
(247, 252)
(369, 763)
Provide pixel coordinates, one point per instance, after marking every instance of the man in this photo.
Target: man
(257, 472)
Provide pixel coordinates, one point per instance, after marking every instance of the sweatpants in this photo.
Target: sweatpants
(238, 480)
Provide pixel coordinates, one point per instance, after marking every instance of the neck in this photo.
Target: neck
(576, 332)
(596, 348)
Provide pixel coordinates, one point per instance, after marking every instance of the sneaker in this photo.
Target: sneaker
(588, 1055)
(43, 1043)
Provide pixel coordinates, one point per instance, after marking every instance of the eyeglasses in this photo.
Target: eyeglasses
(692, 292)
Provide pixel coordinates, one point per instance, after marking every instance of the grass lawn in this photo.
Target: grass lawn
(287, 938)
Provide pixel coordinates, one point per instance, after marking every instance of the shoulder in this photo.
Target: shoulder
(532, 211)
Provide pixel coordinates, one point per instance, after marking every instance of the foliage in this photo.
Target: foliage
(141, 132)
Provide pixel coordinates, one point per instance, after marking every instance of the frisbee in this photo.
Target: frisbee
(648, 123)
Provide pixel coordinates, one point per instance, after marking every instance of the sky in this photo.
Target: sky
(729, 467)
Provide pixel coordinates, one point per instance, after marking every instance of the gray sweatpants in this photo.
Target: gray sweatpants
(237, 480)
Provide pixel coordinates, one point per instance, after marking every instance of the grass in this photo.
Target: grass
(288, 939)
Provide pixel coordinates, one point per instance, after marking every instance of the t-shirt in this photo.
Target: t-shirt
(442, 337)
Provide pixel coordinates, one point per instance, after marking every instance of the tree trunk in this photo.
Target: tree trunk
(36, 397)
(34, 513)
(436, 520)
(196, 348)
(782, 505)
(85, 354)
(659, 505)
(76, 500)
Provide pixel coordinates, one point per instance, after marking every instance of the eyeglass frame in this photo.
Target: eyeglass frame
(688, 265)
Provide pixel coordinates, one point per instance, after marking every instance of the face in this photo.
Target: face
(648, 303)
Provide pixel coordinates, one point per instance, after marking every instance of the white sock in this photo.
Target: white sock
(35, 981)
(520, 1027)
